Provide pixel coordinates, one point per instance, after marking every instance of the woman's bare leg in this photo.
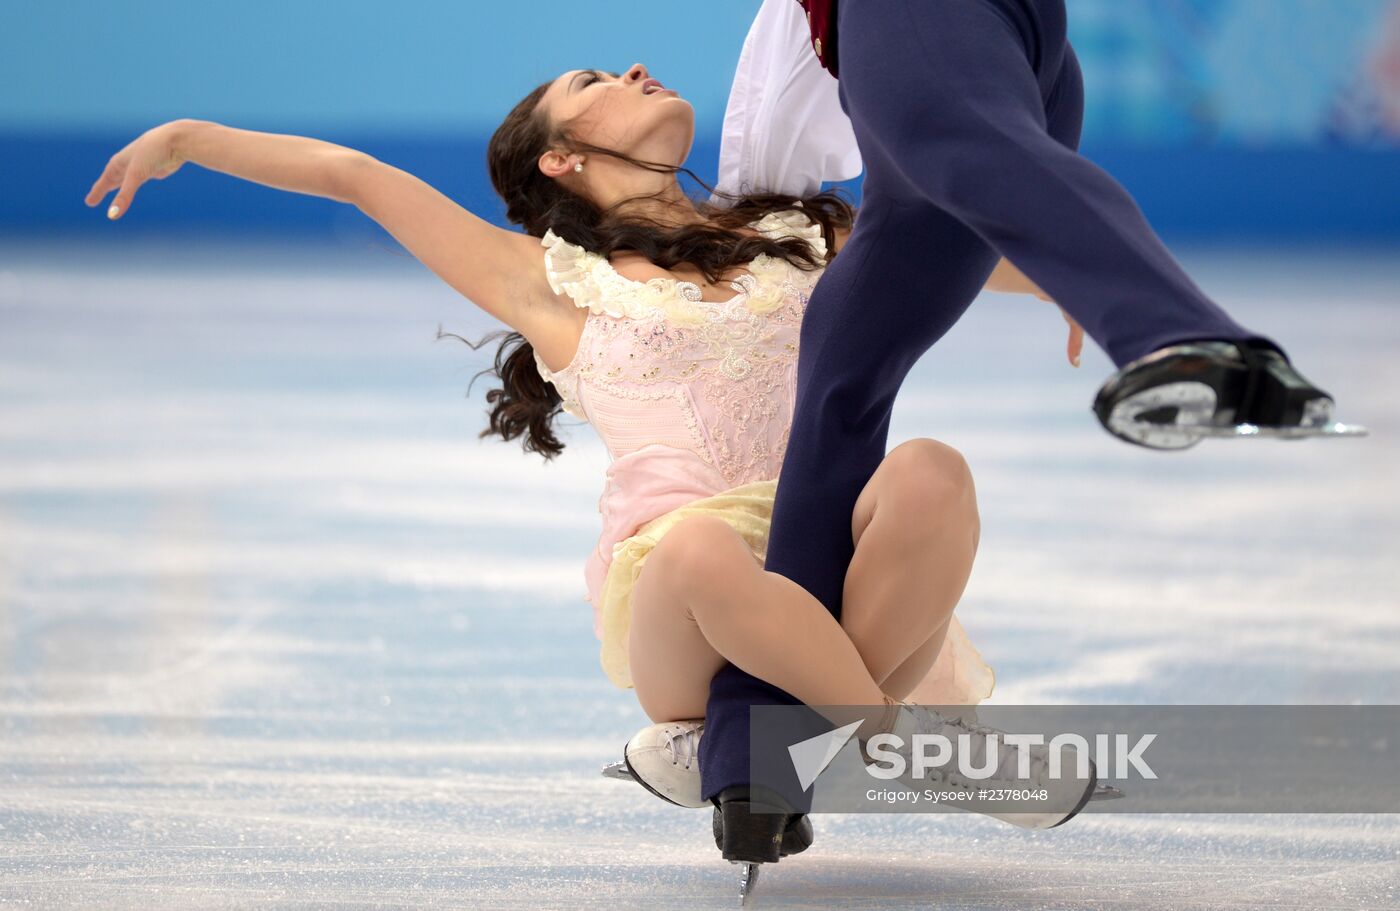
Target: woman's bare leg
(916, 530)
(702, 599)
(903, 679)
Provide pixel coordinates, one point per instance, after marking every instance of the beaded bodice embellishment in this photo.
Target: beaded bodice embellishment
(657, 363)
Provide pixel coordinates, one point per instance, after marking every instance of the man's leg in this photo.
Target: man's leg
(955, 93)
(973, 107)
(903, 267)
(904, 277)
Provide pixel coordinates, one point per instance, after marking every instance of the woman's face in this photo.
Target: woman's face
(631, 113)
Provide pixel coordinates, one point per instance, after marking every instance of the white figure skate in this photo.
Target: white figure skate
(1001, 767)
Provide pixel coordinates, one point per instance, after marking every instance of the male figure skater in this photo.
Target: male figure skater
(967, 114)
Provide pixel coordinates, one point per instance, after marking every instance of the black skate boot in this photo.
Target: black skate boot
(796, 837)
(664, 759)
(746, 837)
(1177, 395)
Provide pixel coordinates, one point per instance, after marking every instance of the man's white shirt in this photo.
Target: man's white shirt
(784, 130)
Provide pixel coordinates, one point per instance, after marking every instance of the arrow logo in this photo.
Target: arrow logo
(811, 756)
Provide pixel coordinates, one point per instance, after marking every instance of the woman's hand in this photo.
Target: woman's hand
(152, 155)
(1007, 278)
(1075, 347)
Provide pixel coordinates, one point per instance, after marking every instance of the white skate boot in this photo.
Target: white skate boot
(969, 742)
(664, 759)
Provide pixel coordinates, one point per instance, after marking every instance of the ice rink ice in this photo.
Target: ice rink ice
(278, 630)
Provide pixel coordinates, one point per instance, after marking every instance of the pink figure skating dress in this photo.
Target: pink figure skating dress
(693, 400)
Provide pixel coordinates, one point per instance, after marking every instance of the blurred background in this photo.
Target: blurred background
(1226, 118)
(279, 628)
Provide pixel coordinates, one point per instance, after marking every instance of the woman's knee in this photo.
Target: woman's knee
(698, 554)
(927, 478)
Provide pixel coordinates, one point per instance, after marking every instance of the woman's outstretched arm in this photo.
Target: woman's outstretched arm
(500, 271)
(1007, 278)
(296, 163)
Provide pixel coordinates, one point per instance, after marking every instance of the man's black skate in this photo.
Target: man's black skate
(797, 836)
(749, 832)
(1177, 395)
(745, 836)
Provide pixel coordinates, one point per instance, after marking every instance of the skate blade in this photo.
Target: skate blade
(1105, 792)
(1330, 429)
(618, 770)
(1194, 405)
(747, 879)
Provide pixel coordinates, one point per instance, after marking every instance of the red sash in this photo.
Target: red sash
(821, 19)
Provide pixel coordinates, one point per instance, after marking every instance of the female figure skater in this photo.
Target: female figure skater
(672, 327)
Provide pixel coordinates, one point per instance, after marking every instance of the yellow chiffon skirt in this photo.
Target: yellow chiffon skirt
(958, 676)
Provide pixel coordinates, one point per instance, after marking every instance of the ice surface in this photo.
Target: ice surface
(276, 629)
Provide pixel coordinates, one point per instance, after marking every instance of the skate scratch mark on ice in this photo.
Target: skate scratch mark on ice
(1089, 671)
(197, 660)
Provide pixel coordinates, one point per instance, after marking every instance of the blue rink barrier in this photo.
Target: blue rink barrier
(1306, 193)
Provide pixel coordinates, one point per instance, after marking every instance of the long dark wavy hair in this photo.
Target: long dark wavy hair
(526, 404)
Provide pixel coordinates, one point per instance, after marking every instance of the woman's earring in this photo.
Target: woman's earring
(578, 166)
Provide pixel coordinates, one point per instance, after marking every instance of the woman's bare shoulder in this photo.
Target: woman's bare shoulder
(839, 236)
(633, 265)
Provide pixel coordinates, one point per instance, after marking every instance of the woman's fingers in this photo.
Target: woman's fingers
(1075, 346)
(125, 172)
(110, 178)
(130, 182)
(151, 156)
